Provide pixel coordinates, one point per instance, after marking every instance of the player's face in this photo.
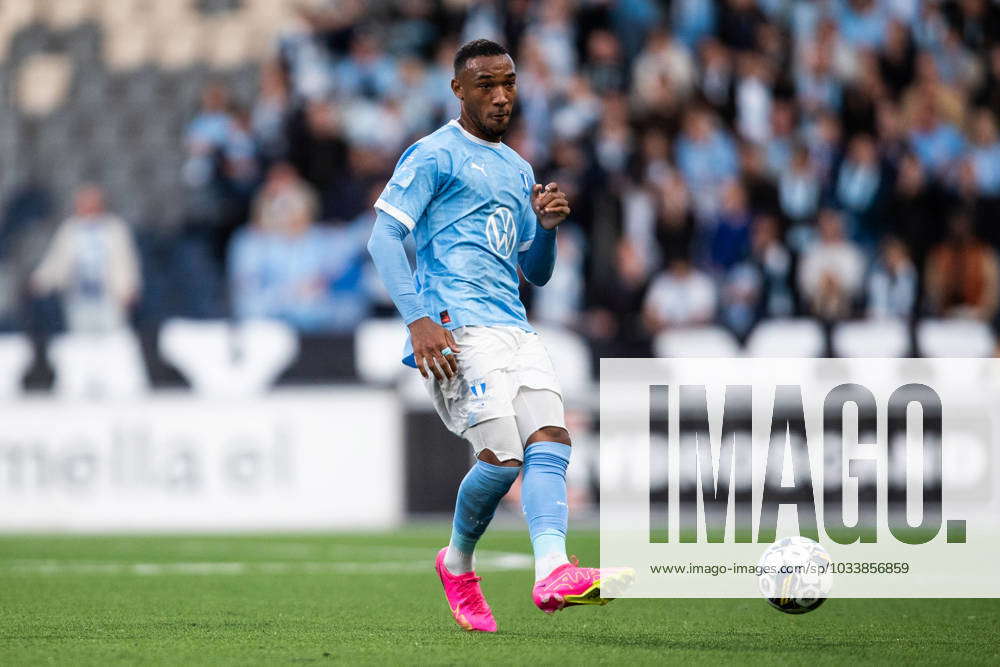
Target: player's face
(487, 87)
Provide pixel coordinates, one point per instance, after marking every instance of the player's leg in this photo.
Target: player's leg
(498, 452)
(476, 404)
(539, 415)
(558, 583)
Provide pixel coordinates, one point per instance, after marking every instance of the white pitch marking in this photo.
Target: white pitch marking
(295, 550)
(490, 561)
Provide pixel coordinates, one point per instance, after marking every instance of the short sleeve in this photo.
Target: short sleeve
(411, 187)
(528, 218)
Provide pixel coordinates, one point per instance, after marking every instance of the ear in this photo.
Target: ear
(456, 88)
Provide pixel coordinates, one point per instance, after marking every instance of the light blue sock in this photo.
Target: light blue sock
(478, 496)
(543, 495)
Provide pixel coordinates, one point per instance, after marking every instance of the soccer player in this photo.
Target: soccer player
(477, 215)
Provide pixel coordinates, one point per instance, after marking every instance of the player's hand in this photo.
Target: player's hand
(429, 338)
(550, 205)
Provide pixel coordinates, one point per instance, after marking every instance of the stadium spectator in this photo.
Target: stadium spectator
(984, 153)
(861, 97)
(740, 22)
(240, 159)
(613, 142)
(862, 23)
(956, 64)
(963, 279)
(831, 270)
(930, 89)
(780, 141)
(332, 24)
(419, 104)
(206, 136)
(987, 95)
(817, 84)
(308, 53)
(653, 158)
(975, 22)
(285, 267)
(773, 262)
(318, 150)
(692, 20)
(730, 242)
(209, 129)
(823, 139)
(220, 172)
(269, 116)
(534, 84)
(675, 223)
(861, 181)
(885, 111)
(936, 143)
(892, 284)
(555, 35)
(633, 21)
(896, 59)
(639, 223)
(413, 34)
(762, 192)
(707, 158)
(614, 319)
(680, 296)
(579, 111)
(758, 286)
(754, 99)
(739, 297)
(367, 71)
(605, 64)
(915, 208)
(799, 187)
(715, 83)
(890, 133)
(664, 72)
(92, 261)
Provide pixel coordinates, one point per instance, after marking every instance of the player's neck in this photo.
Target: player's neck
(477, 132)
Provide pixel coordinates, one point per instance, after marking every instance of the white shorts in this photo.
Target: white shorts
(498, 367)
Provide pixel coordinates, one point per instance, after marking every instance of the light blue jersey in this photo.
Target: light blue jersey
(468, 203)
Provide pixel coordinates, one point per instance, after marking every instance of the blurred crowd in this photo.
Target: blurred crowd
(725, 161)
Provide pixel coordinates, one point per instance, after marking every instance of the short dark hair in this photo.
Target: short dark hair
(476, 48)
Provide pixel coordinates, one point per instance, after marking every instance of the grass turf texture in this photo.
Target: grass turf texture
(84, 600)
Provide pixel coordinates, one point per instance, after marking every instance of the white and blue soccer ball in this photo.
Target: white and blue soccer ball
(794, 575)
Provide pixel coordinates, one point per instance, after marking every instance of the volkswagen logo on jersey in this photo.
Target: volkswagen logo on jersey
(500, 232)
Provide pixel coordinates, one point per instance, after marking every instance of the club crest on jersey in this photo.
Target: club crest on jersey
(500, 231)
(525, 182)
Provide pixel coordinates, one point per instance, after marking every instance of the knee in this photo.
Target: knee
(550, 434)
(489, 456)
(496, 441)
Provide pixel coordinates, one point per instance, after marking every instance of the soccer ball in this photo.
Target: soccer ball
(794, 575)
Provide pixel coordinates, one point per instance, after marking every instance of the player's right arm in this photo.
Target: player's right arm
(427, 336)
(400, 206)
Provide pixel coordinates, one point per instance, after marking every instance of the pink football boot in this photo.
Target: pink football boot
(465, 598)
(571, 584)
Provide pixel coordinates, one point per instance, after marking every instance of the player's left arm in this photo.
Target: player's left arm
(551, 208)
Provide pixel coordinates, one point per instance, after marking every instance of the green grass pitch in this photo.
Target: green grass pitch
(361, 598)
